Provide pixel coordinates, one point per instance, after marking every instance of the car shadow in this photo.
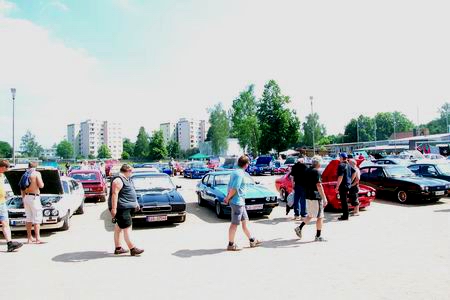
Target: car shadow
(442, 210)
(205, 213)
(77, 257)
(413, 204)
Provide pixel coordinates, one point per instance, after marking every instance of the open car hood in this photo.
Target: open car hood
(51, 178)
(330, 172)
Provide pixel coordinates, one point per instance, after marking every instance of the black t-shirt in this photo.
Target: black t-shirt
(346, 171)
(298, 172)
(313, 178)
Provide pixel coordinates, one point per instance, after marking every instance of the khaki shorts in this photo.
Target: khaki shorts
(33, 209)
(315, 208)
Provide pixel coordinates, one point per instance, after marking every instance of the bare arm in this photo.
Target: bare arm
(322, 193)
(39, 181)
(115, 189)
(339, 181)
(230, 195)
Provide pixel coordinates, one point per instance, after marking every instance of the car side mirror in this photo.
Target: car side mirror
(208, 185)
(257, 182)
(178, 187)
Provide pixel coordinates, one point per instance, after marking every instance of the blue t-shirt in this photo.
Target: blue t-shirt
(237, 183)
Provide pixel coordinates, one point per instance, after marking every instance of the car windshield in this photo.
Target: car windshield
(152, 183)
(444, 169)
(290, 161)
(165, 166)
(198, 166)
(400, 171)
(85, 176)
(224, 179)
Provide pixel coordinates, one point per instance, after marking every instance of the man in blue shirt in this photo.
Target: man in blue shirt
(236, 199)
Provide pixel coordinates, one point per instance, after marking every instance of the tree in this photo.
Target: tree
(219, 131)
(141, 148)
(103, 152)
(125, 155)
(173, 149)
(157, 147)
(384, 122)
(280, 127)
(313, 124)
(245, 126)
(30, 146)
(64, 149)
(5, 149)
(363, 126)
(128, 147)
(439, 125)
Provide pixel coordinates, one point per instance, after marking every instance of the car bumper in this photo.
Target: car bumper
(94, 195)
(171, 217)
(267, 207)
(45, 225)
(429, 195)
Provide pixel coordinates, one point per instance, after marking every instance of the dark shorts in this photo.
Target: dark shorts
(123, 217)
(238, 214)
(353, 195)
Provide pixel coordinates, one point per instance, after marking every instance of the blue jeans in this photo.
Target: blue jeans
(299, 201)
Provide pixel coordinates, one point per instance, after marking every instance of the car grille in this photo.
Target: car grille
(156, 209)
(16, 214)
(437, 188)
(255, 201)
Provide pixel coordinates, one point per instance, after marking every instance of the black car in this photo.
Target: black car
(439, 170)
(391, 161)
(158, 198)
(403, 183)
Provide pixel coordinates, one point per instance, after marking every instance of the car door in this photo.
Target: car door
(204, 186)
(209, 191)
(429, 171)
(77, 195)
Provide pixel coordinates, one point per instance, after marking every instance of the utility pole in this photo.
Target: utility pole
(446, 116)
(375, 129)
(313, 125)
(13, 93)
(357, 133)
(395, 132)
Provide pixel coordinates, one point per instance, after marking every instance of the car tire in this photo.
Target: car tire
(200, 200)
(219, 210)
(402, 196)
(283, 195)
(80, 209)
(267, 212)
(66, 224)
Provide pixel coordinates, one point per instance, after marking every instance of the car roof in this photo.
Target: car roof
(84, 171)
(220, 173)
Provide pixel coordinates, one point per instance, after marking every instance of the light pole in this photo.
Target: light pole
(446, 116)
(13, 93)
(313, 125)
(375, 128)
(357, 133)
(395, 133)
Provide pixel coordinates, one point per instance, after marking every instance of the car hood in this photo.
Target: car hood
(51, 178)
(330, 172)
(251, 191)
(153, 198)
(200, 169)
(46, 201)
(423, 181)
(263, 160)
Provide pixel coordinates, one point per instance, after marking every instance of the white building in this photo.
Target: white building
(48, 153)
(191, 133)
(169, 131)
(87, 137)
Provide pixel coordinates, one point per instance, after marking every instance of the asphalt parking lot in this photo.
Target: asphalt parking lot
(391, 251)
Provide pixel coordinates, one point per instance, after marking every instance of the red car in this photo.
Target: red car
(94, 184)
(213, 163)
(284, 186)
(280, 169)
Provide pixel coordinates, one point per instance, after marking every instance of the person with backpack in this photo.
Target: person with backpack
(30, 185)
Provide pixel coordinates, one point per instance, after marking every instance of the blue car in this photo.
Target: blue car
(212, 189)
(196, 170)
(165, 168)
(263, 165)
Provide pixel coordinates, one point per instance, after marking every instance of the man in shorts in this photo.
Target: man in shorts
(4, 220)
(236, 199)
(122, 203)
(316, 201)
(354, 189)
(32, 203)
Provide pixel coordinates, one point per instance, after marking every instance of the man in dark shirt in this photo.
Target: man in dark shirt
(316, 201)
(344, 184)
(298, 173)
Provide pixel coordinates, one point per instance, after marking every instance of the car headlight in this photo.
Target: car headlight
(447, 186)
(424, 188)
(47, 213)
(369, 194)
(55, 212)
(268, 198)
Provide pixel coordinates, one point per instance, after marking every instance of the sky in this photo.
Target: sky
(144, 62)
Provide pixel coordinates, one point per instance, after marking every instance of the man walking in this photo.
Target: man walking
(298, 173)
(122, 203)
(354, 189)
(4, 219)
(344, 183)
(316, 201)
(30, 185)
(235, 196)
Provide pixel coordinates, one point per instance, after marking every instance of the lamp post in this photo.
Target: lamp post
(446, 116)
(313, 125)
(13, 93)
(395, 133)
(357, 133)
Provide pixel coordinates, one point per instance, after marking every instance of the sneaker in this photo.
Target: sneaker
(255, 243)
(298, 232)
(233, 247)
(342, 219)
(13, 246)
(120, 251)
(297, 218)
(320, 239)
(136, 251)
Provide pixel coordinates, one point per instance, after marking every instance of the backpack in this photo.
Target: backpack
(25, 181)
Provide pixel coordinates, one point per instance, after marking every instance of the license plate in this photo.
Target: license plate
(440, 193)
(156, 218)
(254, 207)
(87, 189)
(17, 222)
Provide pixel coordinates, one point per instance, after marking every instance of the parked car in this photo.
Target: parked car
(212, 190)
(114, 171)
(230, 163)
(434, 156)
(213, 163)
(284, 186)
(195, 170)
(392, 161)
(145, 170)
(61, 197)
(290, 161)
(8, 191)
(280, 169)
(431, 169)
(165, 168)
(94, 184)
(401, 182)
(263, 165)
(158, 198)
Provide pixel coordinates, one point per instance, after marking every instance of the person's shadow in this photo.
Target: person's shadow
(76, 257)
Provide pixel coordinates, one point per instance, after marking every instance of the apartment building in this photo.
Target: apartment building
(169, 131)
(189, 133)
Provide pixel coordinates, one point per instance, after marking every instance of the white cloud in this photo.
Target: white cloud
(60, 5)
(6, 7)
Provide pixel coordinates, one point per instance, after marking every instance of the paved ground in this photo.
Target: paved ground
(390, 252)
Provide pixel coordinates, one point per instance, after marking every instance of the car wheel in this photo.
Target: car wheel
(200, 200)
(402, 196)
(66, 224)
(267, 212)
(283, 195)
(80, 209)
(219, 210)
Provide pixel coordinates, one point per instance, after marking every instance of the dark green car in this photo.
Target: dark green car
(438, 170)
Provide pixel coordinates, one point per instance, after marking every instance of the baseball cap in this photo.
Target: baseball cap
(343, 155)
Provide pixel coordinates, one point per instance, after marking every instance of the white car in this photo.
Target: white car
(8, 190)
(61, 197)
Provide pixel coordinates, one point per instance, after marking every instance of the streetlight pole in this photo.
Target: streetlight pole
(357, 133)
(13, 93)
(375, 128)
(395, 133)
(313, 125)
(446, 116)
